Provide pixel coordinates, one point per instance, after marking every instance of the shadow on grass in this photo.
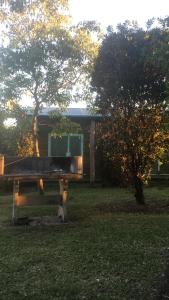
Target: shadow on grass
(161, 284)
(131, 207)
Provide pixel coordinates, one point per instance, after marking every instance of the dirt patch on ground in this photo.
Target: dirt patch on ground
(39, 221)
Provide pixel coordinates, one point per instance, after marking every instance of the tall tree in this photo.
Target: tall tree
(45, 58)
(131, 95)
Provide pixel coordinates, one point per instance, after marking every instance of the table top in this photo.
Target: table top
(44, 176)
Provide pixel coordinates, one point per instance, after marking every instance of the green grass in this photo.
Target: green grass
(104, 252)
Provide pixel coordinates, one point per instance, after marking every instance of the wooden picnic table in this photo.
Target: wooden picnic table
(29, 172)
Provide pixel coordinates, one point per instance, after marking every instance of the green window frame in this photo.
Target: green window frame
(69, 144)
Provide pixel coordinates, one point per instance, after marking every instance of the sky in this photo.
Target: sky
(109, 12)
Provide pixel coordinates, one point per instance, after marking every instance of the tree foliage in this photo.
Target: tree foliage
(160, 46)
(15, 131)
(131, 94)
(62, 125)
(46, 59)
(27, 20)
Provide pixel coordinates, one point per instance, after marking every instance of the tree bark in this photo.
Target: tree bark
(36, 144)
(139, 195)
(35, 136)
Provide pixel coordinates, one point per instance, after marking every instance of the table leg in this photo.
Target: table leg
(15, 194)
(62, 211)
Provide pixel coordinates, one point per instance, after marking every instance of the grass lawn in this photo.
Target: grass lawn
(110, 249)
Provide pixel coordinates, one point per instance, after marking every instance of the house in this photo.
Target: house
(80, 144)
(73, 144)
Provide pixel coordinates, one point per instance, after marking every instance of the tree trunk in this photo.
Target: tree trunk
(35, 136)
(139, 195)
(36, 146)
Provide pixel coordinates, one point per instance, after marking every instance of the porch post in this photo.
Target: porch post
(92, 152)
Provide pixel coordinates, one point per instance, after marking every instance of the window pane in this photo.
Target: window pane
(75, 145)
(59, 146)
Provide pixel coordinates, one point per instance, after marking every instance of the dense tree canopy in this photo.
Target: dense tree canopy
(160, 46)
(124, 72)
(131, 94)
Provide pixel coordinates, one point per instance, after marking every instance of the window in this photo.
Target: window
(66, 145)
